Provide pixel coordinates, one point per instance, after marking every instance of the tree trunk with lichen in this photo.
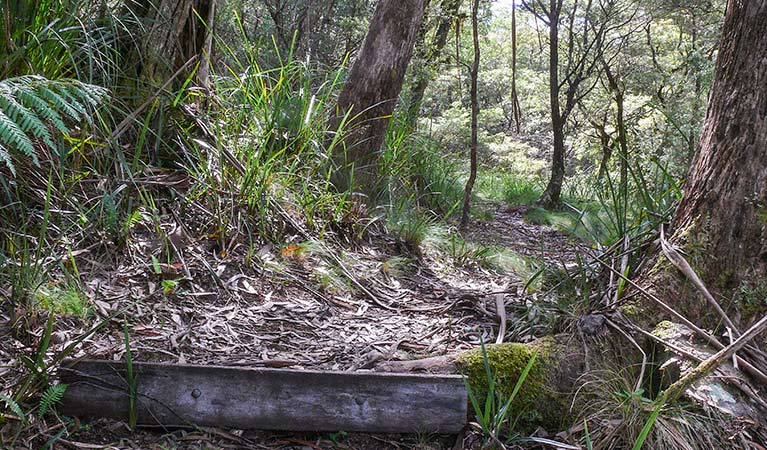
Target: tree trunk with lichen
(370, 93)
(721, 222)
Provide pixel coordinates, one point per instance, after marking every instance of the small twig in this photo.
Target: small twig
(123, 126)
(624, 263)
(500, 309)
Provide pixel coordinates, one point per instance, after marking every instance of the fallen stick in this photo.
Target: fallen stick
(680, 263)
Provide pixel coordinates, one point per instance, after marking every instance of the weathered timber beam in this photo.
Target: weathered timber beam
(267, 399)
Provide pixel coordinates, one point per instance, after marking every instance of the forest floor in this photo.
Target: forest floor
(300, 307)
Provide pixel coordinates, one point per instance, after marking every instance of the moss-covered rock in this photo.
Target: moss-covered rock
(544, 397)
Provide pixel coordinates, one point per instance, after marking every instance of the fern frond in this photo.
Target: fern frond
(13, 136)
(32, 101)
(27, 120)
(13, 406)
(50, 397)
(6, 158)
(57, 101)
(30, 104)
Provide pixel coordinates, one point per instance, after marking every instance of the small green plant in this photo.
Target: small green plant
(13, 407)
(169, 286)
(50, 398)
(640, 441)
(337, 437)
(62, 300)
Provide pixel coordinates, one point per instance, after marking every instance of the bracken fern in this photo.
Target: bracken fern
(50, 398)
(32, 105)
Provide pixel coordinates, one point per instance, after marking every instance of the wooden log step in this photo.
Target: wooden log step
(267, 399)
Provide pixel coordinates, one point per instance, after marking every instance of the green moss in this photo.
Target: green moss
(62, 301)
(695, 244)
(632, 311)
(537, 402)
(761, 213)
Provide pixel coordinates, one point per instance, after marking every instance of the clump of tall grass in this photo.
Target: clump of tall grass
(66, 39)
(415, 169)
(508, 188)
(619, 413)
(267, 146)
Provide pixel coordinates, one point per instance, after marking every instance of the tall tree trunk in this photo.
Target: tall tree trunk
(474, 74)
(515, 110)
(723, 215)
(551, 196)
(620, 124)
(204, 71)
(370, 93)
(430, 57)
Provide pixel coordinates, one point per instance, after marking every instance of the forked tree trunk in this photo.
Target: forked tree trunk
(723, 215)
(174, 34)
(371, 91)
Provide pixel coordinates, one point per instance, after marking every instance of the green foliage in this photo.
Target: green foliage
(272, 151)
(50, 398)
(409, 226)
(62, 300)
(416, 170)
(13, 406)
(30, 105)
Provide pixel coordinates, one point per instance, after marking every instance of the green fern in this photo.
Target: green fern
(50, 397)
(32, 105)
(13, 406)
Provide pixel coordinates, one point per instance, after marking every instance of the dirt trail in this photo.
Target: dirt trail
(277, 316)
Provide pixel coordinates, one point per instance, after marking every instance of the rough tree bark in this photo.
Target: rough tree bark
(370, 93)
(473, 74)
(723, 215)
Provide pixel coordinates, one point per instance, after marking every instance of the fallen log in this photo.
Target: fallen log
(266, 399)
